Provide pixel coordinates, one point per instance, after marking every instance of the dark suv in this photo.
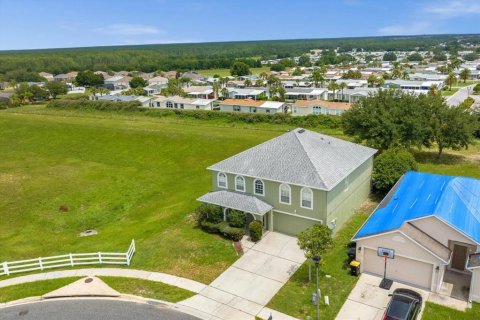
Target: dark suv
(404, 305)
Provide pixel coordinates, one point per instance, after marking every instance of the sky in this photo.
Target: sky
(36, 24)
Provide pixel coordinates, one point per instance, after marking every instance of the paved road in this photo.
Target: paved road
(89, 309)
(459, 96)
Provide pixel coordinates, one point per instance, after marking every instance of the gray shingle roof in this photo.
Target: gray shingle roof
(300, 157)
(237, 201)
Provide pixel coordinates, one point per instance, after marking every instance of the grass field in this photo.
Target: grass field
(226, 72)
(148, 289)
(126, 178)
(33, 289)
(449, 92)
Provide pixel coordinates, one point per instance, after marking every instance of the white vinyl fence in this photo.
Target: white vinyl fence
(68, 260)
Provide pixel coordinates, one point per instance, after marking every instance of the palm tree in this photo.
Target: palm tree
(259, 83)
(451, 79)
(273, 80)
(263, 75)
(342, 86)
(405, 75)
(433, 89)
(333, 86)
(216, 88)
(465, 74)
(247, 83)
(224, 92)
(380, 81)
(371, 80)
(317, 76)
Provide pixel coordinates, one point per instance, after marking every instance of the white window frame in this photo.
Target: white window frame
(301, 197)
(289, 193)
(244, 186)
(226, 180)
(255, 189)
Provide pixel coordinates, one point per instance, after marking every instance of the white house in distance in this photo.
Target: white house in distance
(252, 106)
(118, 82)
(158, 80)
(306, 107)
(431, 225)
(177, 102)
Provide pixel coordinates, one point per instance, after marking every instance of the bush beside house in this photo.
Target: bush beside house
(210, 219)
(256, 229)
(389, 166)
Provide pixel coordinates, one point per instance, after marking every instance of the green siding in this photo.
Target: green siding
(335, 204)
(342, 204)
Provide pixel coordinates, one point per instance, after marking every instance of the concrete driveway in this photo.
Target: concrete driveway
(367, 301)
(242, 291)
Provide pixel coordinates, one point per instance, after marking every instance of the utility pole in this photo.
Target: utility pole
(316, 259)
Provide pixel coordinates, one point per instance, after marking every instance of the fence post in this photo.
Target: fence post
(71, 260)
(40, 263)
(100, 257)
(5, 268)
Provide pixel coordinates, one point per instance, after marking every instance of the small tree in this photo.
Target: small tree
(239, 69)
(138, 82)
(390, 166)
(56, 88)
(315, 240)
(465, 74)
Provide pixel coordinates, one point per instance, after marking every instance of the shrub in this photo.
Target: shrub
(237, 219)
(256, 229)
(210, 213)
(235, 234)
(389, 166)
(476, 89)
(93, 105)
(210, 227)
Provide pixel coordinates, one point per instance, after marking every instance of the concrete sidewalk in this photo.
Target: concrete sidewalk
(183, 283)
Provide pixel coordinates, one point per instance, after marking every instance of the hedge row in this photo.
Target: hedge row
(94, 105)
(235, 234)
(325, 121)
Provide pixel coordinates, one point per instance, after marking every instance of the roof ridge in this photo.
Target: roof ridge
(308, 155)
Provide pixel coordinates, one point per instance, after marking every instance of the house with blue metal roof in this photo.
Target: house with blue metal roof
(430, 223)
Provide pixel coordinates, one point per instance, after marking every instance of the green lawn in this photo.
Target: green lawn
(434, 311)
(148, 289)
(449, 92)
(33, 289)
(226, 72)
(294, 297)
(128, 177)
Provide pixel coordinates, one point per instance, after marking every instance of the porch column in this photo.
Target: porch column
(270, 225)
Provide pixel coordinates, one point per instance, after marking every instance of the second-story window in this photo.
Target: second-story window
(240, 183)
(259, 188)
(285, 193)
(306, 197)
(222, 180)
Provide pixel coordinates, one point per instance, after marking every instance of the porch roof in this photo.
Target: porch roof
(237, 201)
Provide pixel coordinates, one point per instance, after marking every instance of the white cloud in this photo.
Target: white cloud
(126, 29)
(454, 8)
(406, 29)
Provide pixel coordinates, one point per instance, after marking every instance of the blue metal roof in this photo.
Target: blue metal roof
(454, 200)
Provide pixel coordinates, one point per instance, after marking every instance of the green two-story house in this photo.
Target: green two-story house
(293, 181)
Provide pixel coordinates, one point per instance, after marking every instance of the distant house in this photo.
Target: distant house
(252, 106)
(158, 80)
(200, 92)
(117, 82)
(145, 101)
(195, 77)
(247, 93)
(431, 223)
(153, 89)
(294, 181)
(46, 75)
(66, 77)
(413, 85)
(169, 74)
(306, 107)
(177, 102)
(104, 74)
(292, 95)
(353, 83)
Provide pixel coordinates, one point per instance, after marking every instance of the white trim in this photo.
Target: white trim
(235, 182)
(346, 184)
(289, 194)
(301, 198)
(218, 180)
(297, 215)
(255, 190)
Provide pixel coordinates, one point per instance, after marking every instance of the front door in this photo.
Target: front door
(459, 257)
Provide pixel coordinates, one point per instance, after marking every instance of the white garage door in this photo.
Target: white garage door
(414, 272)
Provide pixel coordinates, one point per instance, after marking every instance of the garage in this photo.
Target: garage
(289, 224)
(399, 269)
